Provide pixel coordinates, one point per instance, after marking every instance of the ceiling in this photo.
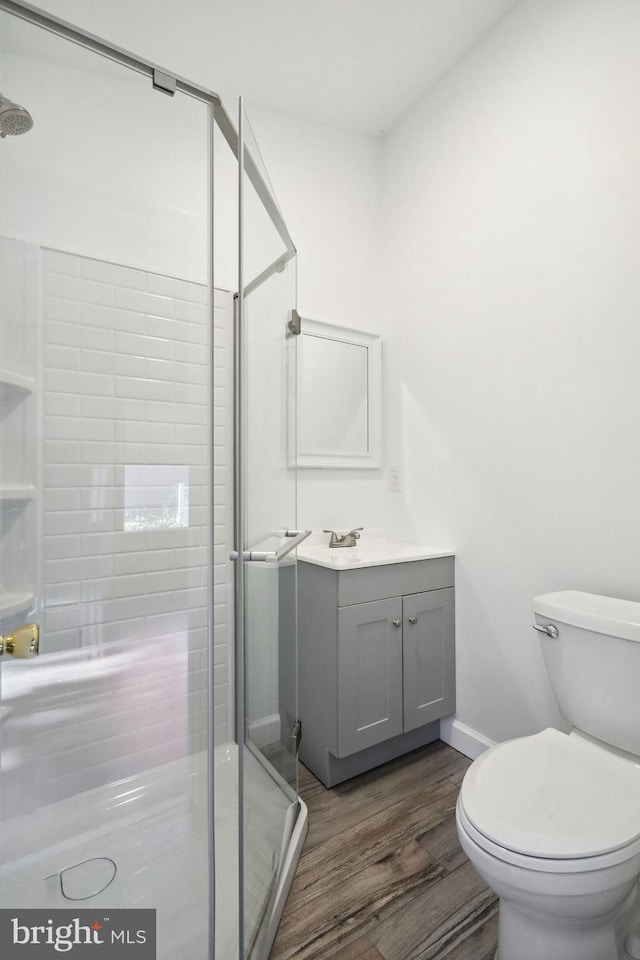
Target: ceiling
(356, 64)
(359, 64)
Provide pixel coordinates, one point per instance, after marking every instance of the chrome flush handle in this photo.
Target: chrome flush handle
(548, 628)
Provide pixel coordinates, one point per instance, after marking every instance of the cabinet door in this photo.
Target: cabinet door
(429, 657)
(369, 674)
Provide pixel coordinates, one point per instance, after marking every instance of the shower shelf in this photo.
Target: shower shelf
(12, 603)
(11, 382)
(20, 431)
(17, 491)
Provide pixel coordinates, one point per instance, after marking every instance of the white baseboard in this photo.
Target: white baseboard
(463, 738)
(264, 731)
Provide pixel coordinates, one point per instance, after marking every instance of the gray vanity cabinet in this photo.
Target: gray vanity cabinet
(369, 700)
(377, 662)
(428, 657)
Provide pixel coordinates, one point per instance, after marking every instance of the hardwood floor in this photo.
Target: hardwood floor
(382, 876)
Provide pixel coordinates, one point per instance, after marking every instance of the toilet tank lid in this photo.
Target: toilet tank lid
(608, 615)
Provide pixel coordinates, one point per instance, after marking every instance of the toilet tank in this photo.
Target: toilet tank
(594, 663)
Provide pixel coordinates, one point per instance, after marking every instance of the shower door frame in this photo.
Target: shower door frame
(168, 83)
(248, 168)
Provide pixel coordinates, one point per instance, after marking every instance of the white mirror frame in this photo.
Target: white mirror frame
(370, 459)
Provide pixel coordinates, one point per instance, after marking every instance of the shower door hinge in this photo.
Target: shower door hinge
(295, 734)
(164, 82)
(295, 324)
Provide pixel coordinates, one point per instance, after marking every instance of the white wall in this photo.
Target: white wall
(513, 397)
(328, 184)
(96, 176)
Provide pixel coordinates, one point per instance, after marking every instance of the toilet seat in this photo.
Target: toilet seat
(552, 798)
(547, 865)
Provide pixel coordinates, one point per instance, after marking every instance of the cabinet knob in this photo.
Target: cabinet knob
(397, 623)
(413, 619)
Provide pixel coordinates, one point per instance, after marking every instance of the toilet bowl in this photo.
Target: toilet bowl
(552, 821)
(552, 824)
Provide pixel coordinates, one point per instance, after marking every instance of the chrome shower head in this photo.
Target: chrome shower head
(14, 119)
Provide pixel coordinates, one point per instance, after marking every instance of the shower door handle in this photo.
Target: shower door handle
(272, 556)
(23, 643)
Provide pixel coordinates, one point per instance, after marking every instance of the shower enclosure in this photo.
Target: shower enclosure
(148, 694)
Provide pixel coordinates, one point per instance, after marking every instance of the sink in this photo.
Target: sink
(367, 553)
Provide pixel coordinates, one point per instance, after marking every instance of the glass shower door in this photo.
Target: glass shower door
(268, 710)
(105, 492)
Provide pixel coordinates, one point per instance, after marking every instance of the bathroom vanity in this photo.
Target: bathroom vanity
(376, 653)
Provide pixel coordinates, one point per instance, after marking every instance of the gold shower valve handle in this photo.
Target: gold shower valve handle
(23, 642)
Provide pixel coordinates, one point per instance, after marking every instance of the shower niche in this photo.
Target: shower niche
(18, 431)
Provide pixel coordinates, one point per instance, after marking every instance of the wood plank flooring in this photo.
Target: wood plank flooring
(382, 876)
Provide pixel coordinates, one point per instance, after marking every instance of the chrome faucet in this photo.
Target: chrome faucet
(346, 539)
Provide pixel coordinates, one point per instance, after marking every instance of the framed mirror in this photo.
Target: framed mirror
(339, 397)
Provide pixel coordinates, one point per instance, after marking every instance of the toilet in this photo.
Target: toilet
(551, 822)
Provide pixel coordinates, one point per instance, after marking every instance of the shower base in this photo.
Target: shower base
(153, 828)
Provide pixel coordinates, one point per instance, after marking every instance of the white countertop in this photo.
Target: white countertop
(366, 553)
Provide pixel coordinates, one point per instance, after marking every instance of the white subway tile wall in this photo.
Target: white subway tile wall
(126, 521)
